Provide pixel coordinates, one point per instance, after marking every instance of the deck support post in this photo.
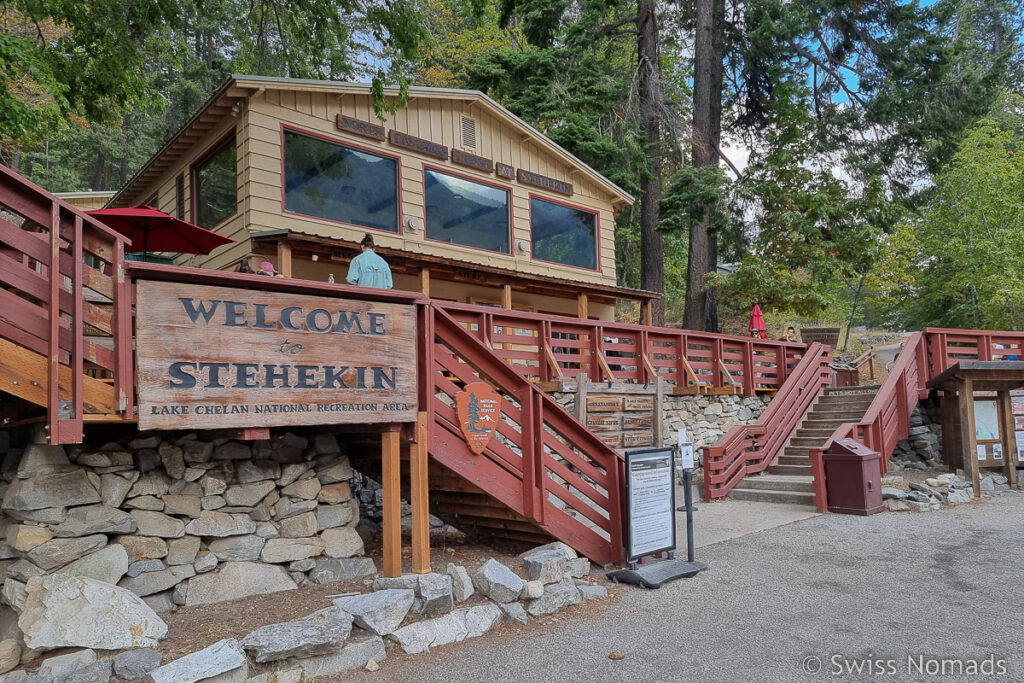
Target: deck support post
(1009, 441)
(969, 441)
(391, 481)
(420, 498)
(284, 258)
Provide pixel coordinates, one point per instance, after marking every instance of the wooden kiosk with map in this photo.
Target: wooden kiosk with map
(977, 417)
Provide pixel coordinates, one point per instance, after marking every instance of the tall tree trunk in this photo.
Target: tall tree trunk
(701, 311)
(699, 260)
(652, 248)
(717, 69)
(97, 172)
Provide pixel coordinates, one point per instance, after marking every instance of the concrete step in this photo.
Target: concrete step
(792, 470)
(846, 406)
(808, 441)
(778, 482)
(814, 432)
(804, 460)
(796, 452)
(837, 416)
(763, 496)
(848, 391)
(813, 422)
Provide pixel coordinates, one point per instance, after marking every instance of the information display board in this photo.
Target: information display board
(650, 502)
(214, 357)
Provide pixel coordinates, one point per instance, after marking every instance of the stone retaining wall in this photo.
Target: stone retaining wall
(180, 518)
(706, 418)
(923, 448)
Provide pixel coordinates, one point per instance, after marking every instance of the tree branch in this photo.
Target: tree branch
(803, 52)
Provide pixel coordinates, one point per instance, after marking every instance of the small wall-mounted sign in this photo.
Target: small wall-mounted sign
(544, 182)
(637, 421)
(604, 404)
(631, 439)
(479, 409)
(639, 403)
(505, 171)
(357, 127)
(434, 149)
(613, 439)
(472, 161)
(603, 423)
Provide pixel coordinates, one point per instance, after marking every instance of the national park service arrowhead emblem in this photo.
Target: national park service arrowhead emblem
(479, 409)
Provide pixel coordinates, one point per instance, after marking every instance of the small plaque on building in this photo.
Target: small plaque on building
(639, 403)
(472, 161)
(544, 182)
(637, 422)
(603, 423)
(357, 127)
(613, 439)
(505, 171)
(633, 439)
(434, 149)
(604, 404)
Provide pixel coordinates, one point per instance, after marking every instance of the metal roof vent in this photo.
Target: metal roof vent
(468, 132)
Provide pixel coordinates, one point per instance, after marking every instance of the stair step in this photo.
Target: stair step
(795, 460)
(798, 470)
(813, 422)
(797, 451)
(814, 432)
(777, 482)
(808, 441)
(845, 407)
(848, 391)
(762, 496)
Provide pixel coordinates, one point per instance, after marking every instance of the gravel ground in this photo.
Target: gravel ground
(829, 593)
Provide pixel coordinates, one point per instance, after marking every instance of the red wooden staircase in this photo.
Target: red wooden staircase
(542, 463)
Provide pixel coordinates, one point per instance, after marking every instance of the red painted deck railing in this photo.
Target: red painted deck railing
(947, 347)
(543, 348)
(542, 462)
(64, 302)
(754, 448)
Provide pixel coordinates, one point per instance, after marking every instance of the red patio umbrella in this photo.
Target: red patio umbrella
(757, 322)
(150, 229)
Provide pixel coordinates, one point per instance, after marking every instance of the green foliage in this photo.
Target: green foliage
(961, 263)
(64, 57)
(92, 92)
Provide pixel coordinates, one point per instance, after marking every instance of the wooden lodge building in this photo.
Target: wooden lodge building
(492, 387)
(464, 200)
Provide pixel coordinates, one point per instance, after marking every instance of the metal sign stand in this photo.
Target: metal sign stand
(655, 573)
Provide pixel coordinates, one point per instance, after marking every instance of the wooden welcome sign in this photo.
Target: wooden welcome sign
(210, 357)
(479, 409)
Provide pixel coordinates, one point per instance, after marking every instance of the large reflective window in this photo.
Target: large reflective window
(215, 186)
(328, 180)
(562, 234)
(461, 211)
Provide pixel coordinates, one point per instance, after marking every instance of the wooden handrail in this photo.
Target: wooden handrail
(552, 456)
(738, 453)
(543, 346)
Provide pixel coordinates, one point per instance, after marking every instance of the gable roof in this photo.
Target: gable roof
(240, 87)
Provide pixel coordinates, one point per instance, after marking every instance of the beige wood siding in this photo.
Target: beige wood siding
(438, 120)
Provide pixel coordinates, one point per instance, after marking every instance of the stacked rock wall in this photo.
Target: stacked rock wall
(181, 518)
(706, 418)
(923, 448)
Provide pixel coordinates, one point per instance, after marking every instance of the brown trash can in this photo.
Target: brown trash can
(847, 378)
(853, 478)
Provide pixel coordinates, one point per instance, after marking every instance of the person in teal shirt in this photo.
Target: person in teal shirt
(368, 269)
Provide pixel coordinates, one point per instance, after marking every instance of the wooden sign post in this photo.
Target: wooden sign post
(215, 357)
